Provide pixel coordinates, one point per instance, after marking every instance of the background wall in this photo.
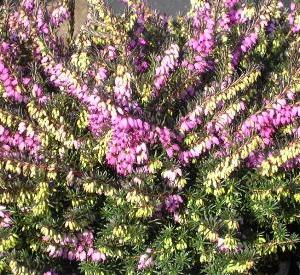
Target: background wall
(171, 7)
(167, 6)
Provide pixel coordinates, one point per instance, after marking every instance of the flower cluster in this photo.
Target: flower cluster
(173, 203)
(18, 140)
(59, 15)
(168, 64)
(146, 260)
(251, 37)
(78, 247)
(294, 18)
(128, 144)
(123, 91)
(10, 85)
(5, 216)
(203, 41)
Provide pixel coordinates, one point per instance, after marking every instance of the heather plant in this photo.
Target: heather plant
(149, 144)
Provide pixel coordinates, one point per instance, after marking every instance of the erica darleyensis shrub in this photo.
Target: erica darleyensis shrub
(149, 144)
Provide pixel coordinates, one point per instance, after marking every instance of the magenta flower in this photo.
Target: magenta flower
(59, 15)
(98, 257)
(50, 273)
(168, 64)
(292, 18)
(28, 5)
(5, 217)
(173, 203)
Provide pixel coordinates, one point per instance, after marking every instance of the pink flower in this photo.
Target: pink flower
(145, 261)
(168, 63)
(50, 273)
(96, 256)
(22, 128)
(26, 80)
(221, 246)
(51, 249)
(71, 255)
(82, 256)
(173, 203)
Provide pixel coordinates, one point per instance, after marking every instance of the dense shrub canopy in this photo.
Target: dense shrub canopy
(149, 144)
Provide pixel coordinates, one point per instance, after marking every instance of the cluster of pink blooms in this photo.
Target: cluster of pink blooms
(168, 64)
(203, 41)
(169, 140)
(290, 164)
(109, 52)
(230, 3)
(137, 42)
(123, 93)
(59, 15)
(12, 89)
(224, 119)
(217, 135)
(219, 127)
(293, 18)
(266, 122)
(255, 158)
(251, 38)
(100, 74)
(75, 248)
(140, 61)
(191, 120)
(38, 93)
(231, 16)
(19, 26)
(173, 203)
(235, 13)
(31, 21)
(247, 43)
(20, 23)
(99, 118)
(146, 260)
(99, 115)
(5, 217)
(20, 140)
(42, 26)
(172, 175)
(197, 115)
(9, 51)
(131, 137)
(199, 149)
(127, 146)
(28, 5)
